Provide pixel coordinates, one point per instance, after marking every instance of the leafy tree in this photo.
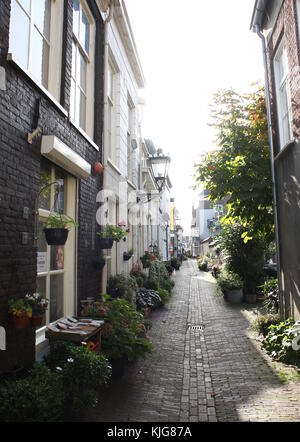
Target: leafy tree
(240, 166)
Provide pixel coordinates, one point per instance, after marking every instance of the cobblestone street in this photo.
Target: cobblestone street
(215, 373)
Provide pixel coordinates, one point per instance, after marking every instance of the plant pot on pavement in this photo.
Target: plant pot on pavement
(36, 321)
(234, 296)
(20, 322)
(250, 298)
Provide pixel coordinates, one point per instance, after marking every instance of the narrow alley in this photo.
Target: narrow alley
(205, 366)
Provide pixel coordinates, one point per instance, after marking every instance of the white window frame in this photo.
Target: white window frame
(55, 48)
(90, 74)
(69, 271)
(282, 85)
(112, 74)
(130, 133)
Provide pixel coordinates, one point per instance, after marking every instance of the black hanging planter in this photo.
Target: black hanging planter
(98, 264)
(56, 237)
(106, 243)
(127, 256)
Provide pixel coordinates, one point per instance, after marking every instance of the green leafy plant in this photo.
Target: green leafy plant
(126, 337)
(244, 258)
(59, 221)
(123, 286)
(262, 323)
(175, 263)
(113, 232)
(159, 273)
(279, 342)
(271, 295)
(39, 397)
(164, 295)
(82, 372)
(228, 281)
(148, 298)
(19, 308)
(240, 167)
(146, 260)
(38, 304)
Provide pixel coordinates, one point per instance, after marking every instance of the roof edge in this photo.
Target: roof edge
(258, 14)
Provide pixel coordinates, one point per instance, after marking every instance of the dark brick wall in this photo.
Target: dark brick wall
(19, 181)
(288, 163)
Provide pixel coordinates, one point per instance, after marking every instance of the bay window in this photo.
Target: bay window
(82, 81)
(283, 95)
(35, 40)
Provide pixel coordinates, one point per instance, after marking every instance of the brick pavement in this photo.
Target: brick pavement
(215, 374)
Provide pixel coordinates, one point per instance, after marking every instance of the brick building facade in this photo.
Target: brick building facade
(26, 104)
(279, 21)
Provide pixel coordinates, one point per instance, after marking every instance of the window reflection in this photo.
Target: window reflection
(56, 297)
(41, 14)
(18, 42)
(45, 179)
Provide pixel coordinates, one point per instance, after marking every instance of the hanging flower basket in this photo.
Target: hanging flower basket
(127, 256)
(56, 237)
(106, 243)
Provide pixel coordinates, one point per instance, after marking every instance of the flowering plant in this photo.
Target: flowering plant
(37, 303)
(19, 308)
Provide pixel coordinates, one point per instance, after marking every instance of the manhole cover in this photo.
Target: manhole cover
(194, 327)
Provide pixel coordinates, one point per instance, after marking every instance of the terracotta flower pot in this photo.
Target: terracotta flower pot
(36, 321)
(20, 322)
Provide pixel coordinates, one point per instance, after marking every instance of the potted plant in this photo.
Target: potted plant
(99, 263)
(231, 285)
(110, 234)
(20, 311)
(128, 255)
(39, 306)
(57, 229)
(146, 260)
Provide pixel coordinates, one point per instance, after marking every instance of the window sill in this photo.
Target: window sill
(113, 166)
(84, 134)
(11, 59)
(284, 150)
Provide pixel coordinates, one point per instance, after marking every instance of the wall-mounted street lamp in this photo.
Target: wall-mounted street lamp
(160, 165)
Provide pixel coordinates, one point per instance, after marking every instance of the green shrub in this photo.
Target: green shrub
(271, 294)
(245, 259)
(151, 284)
(123, 286)
(39, 397)
(229, 281)
(262, 323)
(127, 332)
(82, 372)
(164, 295)
(175, 263)
(159, 273)
(148, 298)
(279, 340)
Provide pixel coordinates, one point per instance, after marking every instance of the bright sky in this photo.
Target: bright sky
(189, 49)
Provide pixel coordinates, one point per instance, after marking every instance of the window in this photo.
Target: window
(35, 48)
(111, 79)
(283, 95)
(56, 264)
(130, 131)
(82, 81)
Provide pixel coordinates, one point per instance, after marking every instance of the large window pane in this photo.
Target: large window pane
(45, 179)
(56, 297)
(26, 5)
(82, 115)
(41, 14)
(18, 41)
(39, 58)
(57, 258)
(72, 100)
(85, 32)
(83, 73)
(76, 18)
(59, 201)
(41, 289)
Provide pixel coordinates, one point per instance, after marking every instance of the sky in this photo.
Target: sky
(190, 49)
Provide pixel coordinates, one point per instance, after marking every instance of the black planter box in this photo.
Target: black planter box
(98, 264)
(56, 237)
(127, 256)
(106, 243)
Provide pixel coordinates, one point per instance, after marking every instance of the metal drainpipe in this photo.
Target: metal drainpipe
(268, 100)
